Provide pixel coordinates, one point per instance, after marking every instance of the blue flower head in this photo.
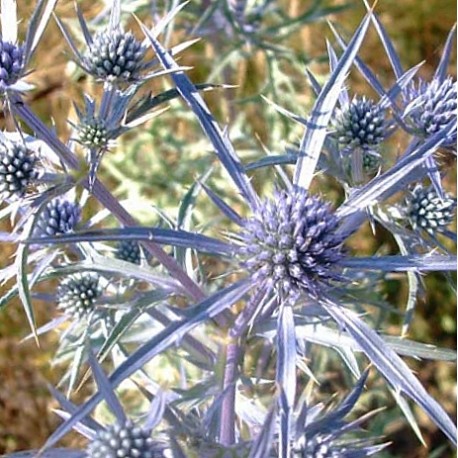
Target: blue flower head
(11, 63)
(291, 243)
(431, 107)
(58, 217)
(360, 124)
(114, 55)
(18, 169)
(77, 294)
(427, 211)
(123, 440)
(128, 250)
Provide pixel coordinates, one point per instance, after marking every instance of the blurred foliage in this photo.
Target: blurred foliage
(160, 163)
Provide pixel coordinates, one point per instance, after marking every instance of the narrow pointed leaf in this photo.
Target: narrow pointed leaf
(315, 134)
(391, 366)
(37, 25)
(106, 390)
(441, 71)
(163, 236)
(8, 17)
(223, 148)
(399, 263)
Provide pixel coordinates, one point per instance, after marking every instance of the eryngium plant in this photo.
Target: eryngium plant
(290, 280)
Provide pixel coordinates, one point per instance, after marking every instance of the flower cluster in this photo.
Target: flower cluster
(211, 316)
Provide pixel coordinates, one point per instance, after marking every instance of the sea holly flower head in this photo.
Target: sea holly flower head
(431, 106)
(18, 169)
(114, 55)
(291, 243)
(123, 440)
(11, 63)
(58, 217)
(92, 133)
(128, 250)
(427, 211)
(360, 124)
(77, 294)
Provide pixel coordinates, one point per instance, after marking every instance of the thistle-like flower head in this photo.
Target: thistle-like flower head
(128, 250)
(431, 107)
(428, 211)
(114, 55)
(18, 169)
(93, 133)
(292, 243)
(11, 63)
(58, 217)
(360, 124)
(123, 440)
(77, 294)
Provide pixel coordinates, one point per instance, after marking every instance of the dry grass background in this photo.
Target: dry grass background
(418, 27)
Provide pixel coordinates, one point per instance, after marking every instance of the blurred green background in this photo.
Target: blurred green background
(418, 28)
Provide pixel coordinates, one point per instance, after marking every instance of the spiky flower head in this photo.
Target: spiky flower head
(431, 107)
(92, 132)
(123, 441)
(114, 55)
(58, 217)
(428, 211)
(128, 250)
(18, 169)
(77, 294)
(11, 63)
(360, 124)
(292, 243)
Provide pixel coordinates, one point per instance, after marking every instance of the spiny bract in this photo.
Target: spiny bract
(122, 441)
(360, 124)
(78, 293)
(11, 63)
(291, 243)
(426, 210)
(58, 217)
(18, 169)
(114, 55)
